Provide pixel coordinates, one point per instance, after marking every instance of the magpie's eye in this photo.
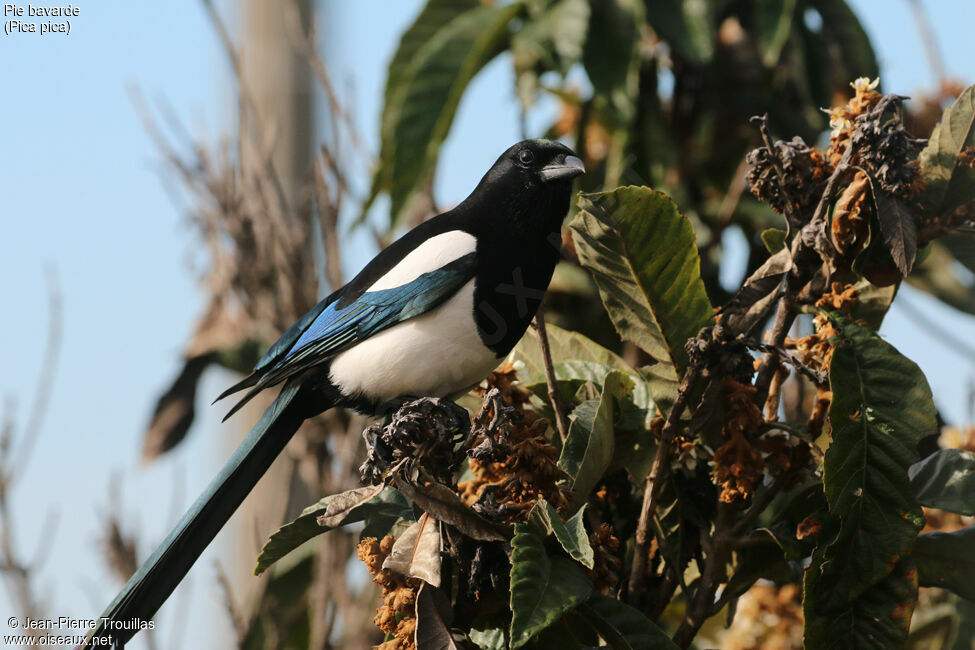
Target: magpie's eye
(525, 157)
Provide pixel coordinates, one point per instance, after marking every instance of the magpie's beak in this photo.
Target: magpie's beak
(569, 168)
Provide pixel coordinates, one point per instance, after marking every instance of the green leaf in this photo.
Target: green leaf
(444, 49)
(553, 40)
(561, 635)
(774, 25)
(878, 618)
(688, 27)
(574, 373)
(491, 631)
(774, 240)
(873, 303)
(945, 560)
(945, 480)
(668, 524)
(643, 257)
(542, 588)
(435, 14)
(623, 627)
(662, 382)
(767, 555)
(612, 53)
(588, 449)
(333, 511)
(564, 346)
(571, 534)
(947, 184)
(612, 62)
(281, 620)
(881, 408)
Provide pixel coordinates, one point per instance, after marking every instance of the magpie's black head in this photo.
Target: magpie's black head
(536, 165)
(529, 186)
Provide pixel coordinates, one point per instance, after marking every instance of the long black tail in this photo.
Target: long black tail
(158, 576)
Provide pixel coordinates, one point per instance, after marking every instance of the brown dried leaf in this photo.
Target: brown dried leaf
(416, 553)
(748, 308)
(339, 505)
(433, 617)
(447, 506)
(897, 229)
(175, 409)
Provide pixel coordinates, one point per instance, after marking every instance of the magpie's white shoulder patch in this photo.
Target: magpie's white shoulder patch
(428, 256)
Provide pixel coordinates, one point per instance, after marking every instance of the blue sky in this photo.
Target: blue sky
(81, 191)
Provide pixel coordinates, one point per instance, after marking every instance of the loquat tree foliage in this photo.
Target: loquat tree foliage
(674, 447)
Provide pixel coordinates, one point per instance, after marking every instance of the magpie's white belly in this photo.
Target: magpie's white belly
(433, 355)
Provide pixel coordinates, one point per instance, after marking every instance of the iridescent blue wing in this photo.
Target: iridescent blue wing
(332, 327)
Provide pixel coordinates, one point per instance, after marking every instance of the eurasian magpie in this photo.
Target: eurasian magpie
(430, 316)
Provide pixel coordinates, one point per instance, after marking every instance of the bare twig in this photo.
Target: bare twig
(305, 42)
(328, 218)
(119, 547)
(230, 604)
(45, 383)
(785, 314)
(716, 549)
(808, 245)
(16, 572)
(561, 419)
(819, 216)
(651, 488)
(817, 376)
(759, 505)
(732, 197)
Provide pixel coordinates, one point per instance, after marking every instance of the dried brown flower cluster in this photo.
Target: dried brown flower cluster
(785, 453)
(881, 144)
(840, 297)
(768, 618)
(738, 465)
(816, 351)
(806, 172)
(528, 468)
(397, 615)
(423, 428)
(842, 118)
(605, 573)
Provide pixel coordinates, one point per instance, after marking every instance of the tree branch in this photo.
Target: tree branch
(791, 218)
(561, 419)
(651, 488)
